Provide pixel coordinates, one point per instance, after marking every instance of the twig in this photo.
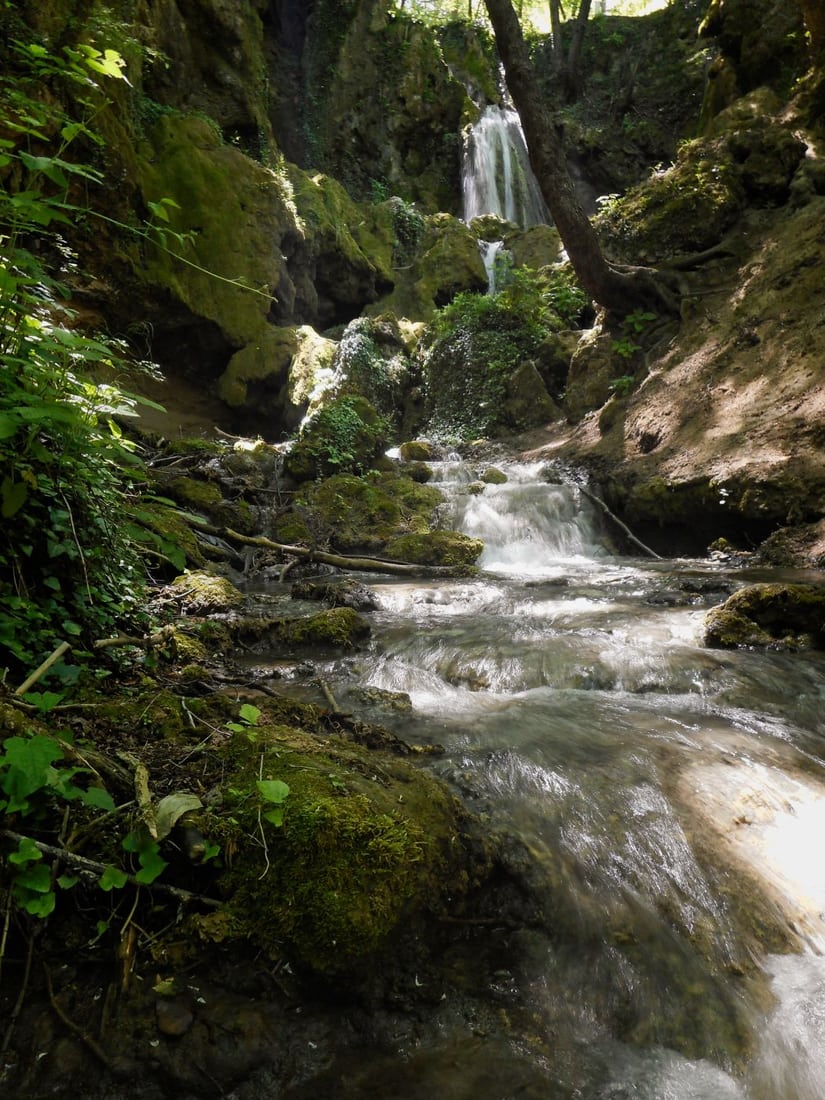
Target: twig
(619, 523)
(261, 827)
(87, 1040)
(43, 669)
(98, 868)
(5, 936)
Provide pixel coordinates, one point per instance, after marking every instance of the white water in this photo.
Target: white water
(496, 175)
(665, 793)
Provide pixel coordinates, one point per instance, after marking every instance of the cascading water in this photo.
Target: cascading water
(496, 175)
(671, 799)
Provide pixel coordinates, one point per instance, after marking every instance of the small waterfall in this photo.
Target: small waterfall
(496, 174)
(529, 526)
(490, 253)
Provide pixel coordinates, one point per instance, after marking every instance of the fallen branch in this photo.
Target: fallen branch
(91, 865)
(43, 669)
(620, 524)
(370, 565)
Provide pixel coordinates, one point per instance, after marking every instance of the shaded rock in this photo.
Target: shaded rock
(789, 615)
(347, 435)
(174, 1017)
(417, 450)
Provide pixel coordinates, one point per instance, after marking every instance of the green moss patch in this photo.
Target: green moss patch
(447, 548)
(787, 615)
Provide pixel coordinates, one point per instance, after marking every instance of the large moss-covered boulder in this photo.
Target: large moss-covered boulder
(440, 548)
(346, 436)
(353, 856)
(359, 514)
(788, 615)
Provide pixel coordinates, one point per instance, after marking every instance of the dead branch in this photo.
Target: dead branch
(619, 523)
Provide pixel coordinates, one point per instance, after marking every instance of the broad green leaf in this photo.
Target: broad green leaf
(98, 797)
(47, 165)
(66, 882)
(171, 808)
(44, 700)
(37, 878)
(28, 763)
(27, 852)
(13, 496)
(249, 714)
(39, 906)
(112, 879)
(275, 816)
(272, 790)
(8, 425)
(151, 865)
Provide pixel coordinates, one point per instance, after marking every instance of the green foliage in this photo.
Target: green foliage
(346, 436)
(475, 343)
(408, 228)
(633, 325)
(34, 776)
(67, 570)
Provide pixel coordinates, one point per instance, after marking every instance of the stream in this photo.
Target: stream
(669, 799)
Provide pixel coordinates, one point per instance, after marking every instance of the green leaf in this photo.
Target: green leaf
(98, 797)
(48, 166)
(66, 882)
(37, 878)
(27, 852)
(272, 790)
(249, 714)
(28, 763)
(13, 494)
(44, 700)
(71, 628)
(112, 879)
(151, 865)
(39, 906)
(9, 426)
(275, 816)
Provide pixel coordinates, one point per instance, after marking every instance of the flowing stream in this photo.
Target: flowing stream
(496, 175)
(670, 800)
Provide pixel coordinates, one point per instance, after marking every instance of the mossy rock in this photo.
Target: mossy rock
(206, 594)
(257, 375)
(790, 615)
(359, 514)
(346, 436)
(445, 548)
(493, 476)
(170, 529)
(194, 493)
(417, 450)
(335, 627)
(362, 852)
(528, 404)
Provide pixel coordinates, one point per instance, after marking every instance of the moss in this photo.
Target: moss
(791, 615)
(347, 435)
(493, 476)
(194, 493)
(353, 513)
(354, 859)
(205, 594)
(264, 360)
(170, 527)
(447, 548)
(417, 450)
(338, 627)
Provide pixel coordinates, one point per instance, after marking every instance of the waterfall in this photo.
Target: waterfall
(496, 174)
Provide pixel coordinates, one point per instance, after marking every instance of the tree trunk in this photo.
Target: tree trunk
(574, 55)
(619, 290)
(813, 12)
(555, 26)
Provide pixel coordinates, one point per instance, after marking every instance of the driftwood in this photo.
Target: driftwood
(623, 526)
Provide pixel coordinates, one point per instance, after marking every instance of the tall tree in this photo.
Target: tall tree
(620, 289)
(813, 12)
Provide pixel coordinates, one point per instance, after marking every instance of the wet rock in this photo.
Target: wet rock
(787, 615)
(448, 548)
(174, 1017)
(417, 450)
(340, 592)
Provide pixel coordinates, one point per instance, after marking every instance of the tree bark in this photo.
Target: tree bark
(572, 76)
(813, 12)
(622, 290)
